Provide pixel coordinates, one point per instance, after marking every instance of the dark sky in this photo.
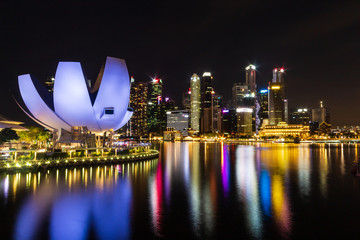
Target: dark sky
(317, 42)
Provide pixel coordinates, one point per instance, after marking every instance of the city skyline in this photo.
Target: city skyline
(174, 42)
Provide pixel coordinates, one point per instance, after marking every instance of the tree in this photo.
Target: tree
(8, 134)
(35, 136)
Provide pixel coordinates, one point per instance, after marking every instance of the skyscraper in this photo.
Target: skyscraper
(138, 102)
(276, 95)
(264, 105)
(154, 106)
(206, 103)
(238, 93)
(276, 103)
(251, 77)
(320, 114)
(195, 102)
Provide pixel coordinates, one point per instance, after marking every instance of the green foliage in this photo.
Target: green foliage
(36, 136)
(8, 134)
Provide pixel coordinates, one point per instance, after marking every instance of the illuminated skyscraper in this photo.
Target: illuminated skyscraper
(206, 103)
(264, 105)
(277, 99)
(251, 77)
(138, 102)
(154, 106)
(276, 103)
(238, 93)
(195, 102)
(244, 121)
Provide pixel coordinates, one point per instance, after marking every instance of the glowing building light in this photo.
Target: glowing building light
(275, 87)
(239, 110)
(263, 91)
(207, 74)
(225, 111)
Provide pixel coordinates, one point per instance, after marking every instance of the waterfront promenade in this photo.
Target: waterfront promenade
(104, 157)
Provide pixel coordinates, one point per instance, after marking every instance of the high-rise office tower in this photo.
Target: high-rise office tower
(206, 103)
(300, 116)
(195, 102)
(286, 111)
(279, 77)
(238, 93)
(138, 102)
(216, 117)
(320, 114)
(154, 106)
(244, 121)
(276, 103)
(186, 100)
(251, 77)
(264, 105)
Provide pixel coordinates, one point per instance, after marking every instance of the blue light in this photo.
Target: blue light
(265, 192)
(263, 91)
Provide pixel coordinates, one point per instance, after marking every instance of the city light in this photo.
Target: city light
(263, 91)
(207, 74)
(275, 87)
(239, 110)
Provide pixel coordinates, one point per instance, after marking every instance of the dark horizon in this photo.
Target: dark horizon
(317, 44)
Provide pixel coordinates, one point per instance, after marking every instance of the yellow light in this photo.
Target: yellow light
(275, 87)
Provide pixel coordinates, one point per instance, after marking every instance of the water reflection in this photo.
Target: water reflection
(193, 190)
(76, 207)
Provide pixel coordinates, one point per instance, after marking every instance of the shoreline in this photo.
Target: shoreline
(30, 165)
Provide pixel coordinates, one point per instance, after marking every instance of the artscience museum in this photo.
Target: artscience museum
(73, 105)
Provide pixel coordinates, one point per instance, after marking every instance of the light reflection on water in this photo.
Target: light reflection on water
(193, 190)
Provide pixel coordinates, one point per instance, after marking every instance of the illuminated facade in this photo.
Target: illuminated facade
(251, 77)
(104, 108)
(178, 120)
(244, 121)
(154, 106)
(195, 102)
(264, 104)
(277, 103)
(284, 130)
(238, 94)
(300, 116)
(138, 102)
(206, 103)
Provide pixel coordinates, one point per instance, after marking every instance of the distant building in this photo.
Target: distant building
(283, 129)
(229, 122)
(238, 93)
(154, 106)
(195, 102)
(320, 114)
(138, 124)
(206, 103)
(216, 117)
(251, 77)
(264, 105)
(276, 103)
(244, 121)
(300, 116)
(186, 100)
(178, 120)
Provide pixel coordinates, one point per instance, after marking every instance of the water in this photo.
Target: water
(193, 191)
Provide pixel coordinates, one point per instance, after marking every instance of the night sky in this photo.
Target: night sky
(318, 43)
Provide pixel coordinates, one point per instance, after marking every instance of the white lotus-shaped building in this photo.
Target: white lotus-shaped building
(72, 103)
